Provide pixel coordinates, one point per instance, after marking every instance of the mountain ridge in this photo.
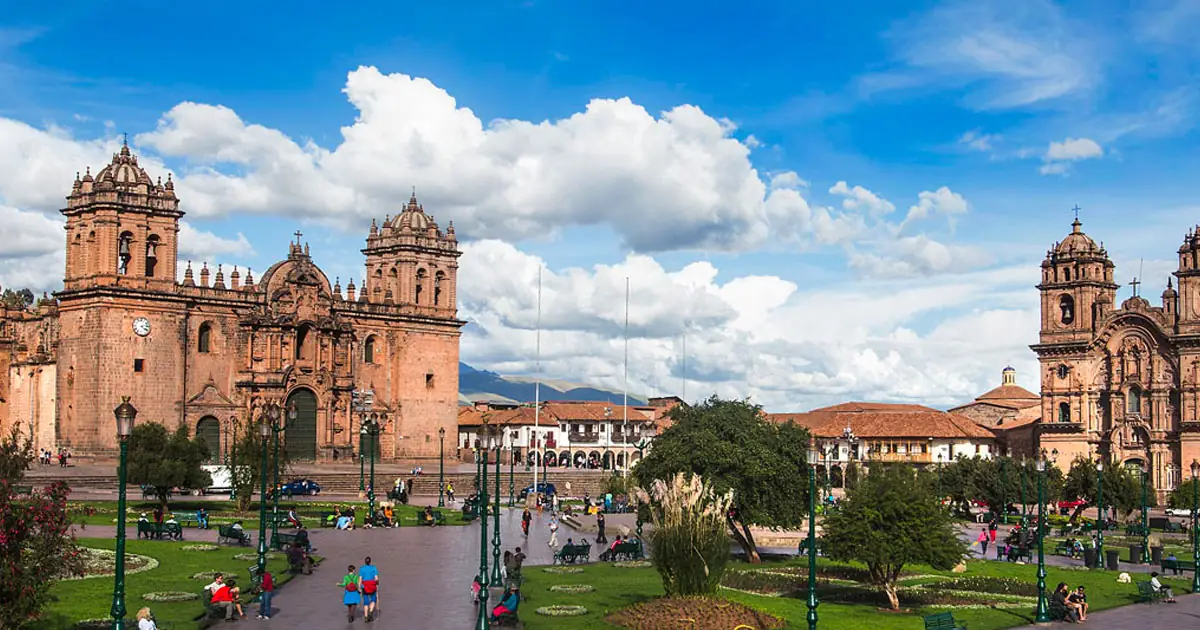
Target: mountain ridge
(476, 385)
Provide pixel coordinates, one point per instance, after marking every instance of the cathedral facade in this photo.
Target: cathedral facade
(1121, 383)
(209, 351)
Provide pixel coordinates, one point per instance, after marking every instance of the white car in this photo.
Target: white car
(1179, 512)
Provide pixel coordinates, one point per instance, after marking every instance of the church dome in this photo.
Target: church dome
(123, 171)
(1077, 242)
(413, 217)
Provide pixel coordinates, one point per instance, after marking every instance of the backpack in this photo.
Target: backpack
(369, 586)
(352, 586)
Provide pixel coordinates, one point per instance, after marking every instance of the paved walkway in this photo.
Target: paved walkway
(425, 572)
(1185, 614)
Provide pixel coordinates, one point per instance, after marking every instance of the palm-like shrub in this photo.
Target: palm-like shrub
(689, 544)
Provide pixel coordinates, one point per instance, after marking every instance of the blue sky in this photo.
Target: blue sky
(1005, 114)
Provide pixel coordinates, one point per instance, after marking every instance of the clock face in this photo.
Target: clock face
(141, 326)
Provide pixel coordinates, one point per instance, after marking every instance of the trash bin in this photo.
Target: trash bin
(1089, 557)
(1135, 554)
(1114, 558)
(1156, 554)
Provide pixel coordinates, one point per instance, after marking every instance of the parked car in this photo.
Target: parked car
(1179, 512)
(299, 486)
(222, 480)
(542, 487)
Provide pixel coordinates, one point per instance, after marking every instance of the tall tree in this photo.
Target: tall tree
(246, 462)
(892, 519)
(19, 299)
(36, 545)
(732, 446)
(166, 461)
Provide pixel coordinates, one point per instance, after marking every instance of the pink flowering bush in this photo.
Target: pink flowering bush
(36, 544)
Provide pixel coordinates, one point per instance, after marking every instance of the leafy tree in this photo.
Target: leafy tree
(852, 474)
(165, 461)
(1122, 487)
(1181, 498)
(968, 479)
(19, 299)
(36, 545)
(892, 519)
(731, 445)
(245, 461)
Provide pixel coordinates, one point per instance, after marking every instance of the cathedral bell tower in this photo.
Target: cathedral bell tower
(1077, 288)
(1187, 309)
(410, 261)
(122, 228)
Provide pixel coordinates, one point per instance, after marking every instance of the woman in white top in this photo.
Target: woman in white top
(146, 620)
(1168, 596)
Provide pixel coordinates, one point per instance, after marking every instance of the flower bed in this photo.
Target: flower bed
(103, 563)
(208, 575)
(633, 564)
(202, 547)
(986, 584)
(562, 610)
(572, 588)
(563, 570)
(253, 557)
(170, 596)
(694, 613)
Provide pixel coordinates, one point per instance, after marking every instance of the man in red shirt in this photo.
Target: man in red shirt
(266, 583)
(223, 598)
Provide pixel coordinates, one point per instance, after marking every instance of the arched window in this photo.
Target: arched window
(1066, 307)
(303, 347)
(204, 338)
(151, 255)
(1133, 401)
(124, 247)
(1067, 274)
(420, 285)
(369, 350)
(1064, 412)
(437, 287)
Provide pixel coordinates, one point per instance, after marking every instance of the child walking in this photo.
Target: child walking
(350, 588)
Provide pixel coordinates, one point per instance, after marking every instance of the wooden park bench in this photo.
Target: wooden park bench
(943, 621)
(803, 548)
(22, 489)
(326, 519)
(282, 540)
(1017, 552)
(570, 554)
(156, 531)
(227, 534)
(1171, 527)
(626, 551)
(1135, 530)
(438, 518)
(1062, 548)
(1147, 594)
(278, 519)
(186, 517)
(1178, 566)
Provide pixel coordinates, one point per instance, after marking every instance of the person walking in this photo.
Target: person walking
(369, 576)
(450, 491)
(983, 542)
(553, 542)
(350, 592)
(266, 583)
(526, 518)
(600, 537)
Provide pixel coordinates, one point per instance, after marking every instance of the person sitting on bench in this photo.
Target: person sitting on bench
(201, 519)
(1158, 587)
(223, 599)
(302, 540)
(1079, 598)
(1059, 601)
(427, 516)
(294, 519)
(508, 605)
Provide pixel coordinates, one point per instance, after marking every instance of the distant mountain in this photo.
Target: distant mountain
(483, 385)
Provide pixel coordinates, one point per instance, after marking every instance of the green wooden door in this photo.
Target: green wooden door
(300, 439)
(209, 430)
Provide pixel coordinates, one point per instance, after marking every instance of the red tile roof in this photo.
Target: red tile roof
(881, 420)
(1013, 396)
(552, 413)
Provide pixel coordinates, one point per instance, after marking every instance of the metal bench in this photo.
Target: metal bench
(1178, 566)
(570, 554)
(156, 531)
(22, 489)
(227, 534)
(1147, 594)
(943, 621)
(186, 517)
(279, 519)
(281, 540)
(438, 518)
(624, 551)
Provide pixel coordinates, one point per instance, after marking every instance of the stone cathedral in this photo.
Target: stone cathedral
(209, 350)
(1120, 382)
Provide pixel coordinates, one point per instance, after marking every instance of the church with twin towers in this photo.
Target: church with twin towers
(209, 348)
(1120, 382)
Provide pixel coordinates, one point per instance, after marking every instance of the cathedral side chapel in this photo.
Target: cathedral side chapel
(211, 350)
(1120, 382)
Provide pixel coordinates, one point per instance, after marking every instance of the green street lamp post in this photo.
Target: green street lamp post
(233, 460)
(497, 579)
(1003, 492)
(125, 414)
(641, 448)
(362, 460)
(512, 460)
(442, 467)
(276, 429)
(1043, 613)
(482, 620)
(370, 433)
(812, 539)
(264, 432)
(1195, 534)
(1024, 503)
(1145, 516)
(1100, 514)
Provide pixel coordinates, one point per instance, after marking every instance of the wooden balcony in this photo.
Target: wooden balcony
(583, 438)
(910, 458)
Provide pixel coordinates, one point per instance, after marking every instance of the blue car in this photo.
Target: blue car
(542, 487)
(299, 486)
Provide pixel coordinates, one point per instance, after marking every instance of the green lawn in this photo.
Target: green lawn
(224, 512)
(619, 587)
(76, 600)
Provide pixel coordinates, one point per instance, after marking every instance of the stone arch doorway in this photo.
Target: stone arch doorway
(209, 430)
(300, 439)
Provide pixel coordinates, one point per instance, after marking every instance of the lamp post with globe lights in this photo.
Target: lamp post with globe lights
(1100, 513)
(497, 579)
(276, 429)
(813, 453)
(125, 414)
(1195, 534)
(484, 448)
(264, 432)
(442, 467)
(1043, 613)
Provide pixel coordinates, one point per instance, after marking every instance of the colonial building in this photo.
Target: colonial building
(210, 350)
(1010, 412)
(866, 433)
(573, 434)
(1120, 383)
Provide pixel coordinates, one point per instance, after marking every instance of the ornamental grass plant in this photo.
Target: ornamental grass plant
(689, 544)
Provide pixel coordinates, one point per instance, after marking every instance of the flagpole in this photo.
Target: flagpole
(625, 408)
(537, 384)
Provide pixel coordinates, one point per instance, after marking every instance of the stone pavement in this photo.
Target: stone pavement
(425, 572)
(1185, 614)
